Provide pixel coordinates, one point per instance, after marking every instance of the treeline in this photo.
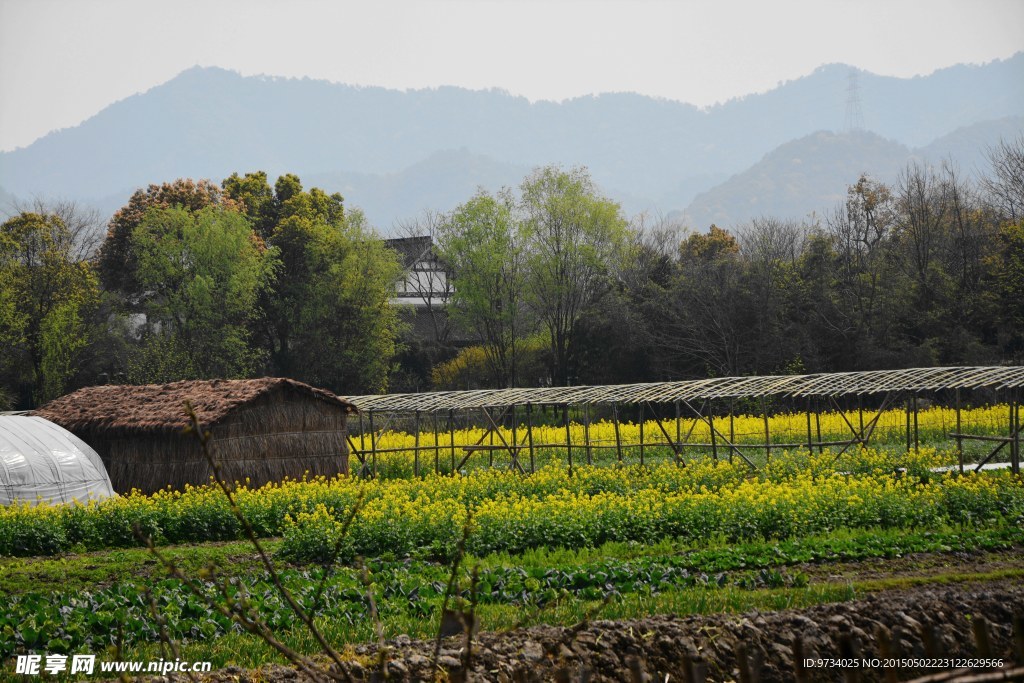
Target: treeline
(195, 280)
(554, 286)
(550, 284)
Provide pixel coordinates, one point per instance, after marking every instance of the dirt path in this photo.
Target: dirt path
(917, 565)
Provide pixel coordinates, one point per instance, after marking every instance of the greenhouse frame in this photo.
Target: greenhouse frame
(42, 462)
(508, 416)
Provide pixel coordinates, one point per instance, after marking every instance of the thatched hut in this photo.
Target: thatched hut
(262, 430)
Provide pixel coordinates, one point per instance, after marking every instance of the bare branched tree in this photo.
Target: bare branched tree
(652, 245)
(771, 250)
(705, 325)
(859, 231)
(658, 233)
(427, 277)
(85, 226)
(970, 233)
(769, 243)
(922, 196)
(1005, 185)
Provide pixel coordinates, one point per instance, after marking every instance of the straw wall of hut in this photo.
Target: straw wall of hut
(262, 430)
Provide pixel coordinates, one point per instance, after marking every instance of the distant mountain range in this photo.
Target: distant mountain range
(394, 153)
(443, 180)
(7, 201)
(812, 173)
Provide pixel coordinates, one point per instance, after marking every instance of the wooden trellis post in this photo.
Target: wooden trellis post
(490, 439)
(618, 436)
(817, 425)
(908, 423)
(416, 448)
(860, 413)
(373, 446)
(767, 434)
(711, 428)
(732, 429)
(586, 433)
(437, 444)
(917, 444)
(529, 432)
(959, 433)
(1015, 433)
(362, 446)
(514, 455)
(679, 430)
(810, 442)
(451, 432)
(641, 434)
(568, 436)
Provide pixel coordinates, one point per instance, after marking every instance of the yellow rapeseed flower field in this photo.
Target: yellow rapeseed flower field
(396, 456)
(798, 493)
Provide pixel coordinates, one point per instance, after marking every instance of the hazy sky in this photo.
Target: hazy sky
(61, 61)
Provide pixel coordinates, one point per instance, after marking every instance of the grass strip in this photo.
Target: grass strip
(905, 582)
(720, 555)
(93, 570)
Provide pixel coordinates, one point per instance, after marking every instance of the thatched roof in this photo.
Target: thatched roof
(160, 407)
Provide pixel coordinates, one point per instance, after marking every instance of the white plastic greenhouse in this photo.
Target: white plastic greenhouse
(40, 461)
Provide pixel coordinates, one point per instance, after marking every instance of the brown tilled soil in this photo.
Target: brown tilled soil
(928, 621)
(916, 565)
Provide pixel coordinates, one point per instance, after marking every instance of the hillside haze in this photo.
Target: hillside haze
(811, 174)
(396, 152)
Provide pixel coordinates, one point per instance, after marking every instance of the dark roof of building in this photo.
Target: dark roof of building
(161, 407)
(410, 249)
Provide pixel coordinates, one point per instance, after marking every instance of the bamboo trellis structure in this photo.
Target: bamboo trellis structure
(693, 397)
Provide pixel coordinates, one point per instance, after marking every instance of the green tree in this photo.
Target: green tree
(707, 319)
(346, 328)
(266, 207)
(771, 250)
(253, 194)
(574, 238)
(46, 295)
(480, 241)
(327, 318)
(632, 314)
(867, 287)
(944, 233)
(202, 272)
(1005, 278)
(116, 260)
